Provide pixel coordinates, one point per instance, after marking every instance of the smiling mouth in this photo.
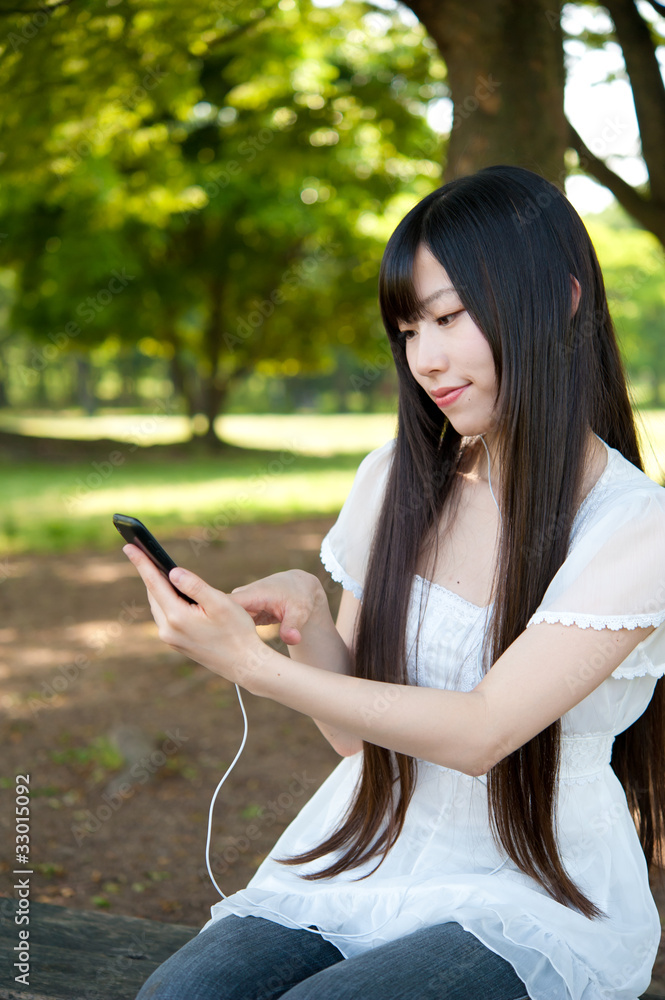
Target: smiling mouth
(446, 397)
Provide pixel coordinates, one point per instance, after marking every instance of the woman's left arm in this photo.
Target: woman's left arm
(541, 676)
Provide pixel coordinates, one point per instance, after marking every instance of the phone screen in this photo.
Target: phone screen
(134, 531)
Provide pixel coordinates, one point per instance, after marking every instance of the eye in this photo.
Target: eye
(446, 320)
(441, 321)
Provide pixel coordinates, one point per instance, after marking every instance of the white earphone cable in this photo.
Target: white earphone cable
(489, 476)
(212, 804)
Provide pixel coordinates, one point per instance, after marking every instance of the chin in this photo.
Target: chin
(469, 428)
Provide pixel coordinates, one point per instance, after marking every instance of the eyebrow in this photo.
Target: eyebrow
(423, 303)
(435, 295)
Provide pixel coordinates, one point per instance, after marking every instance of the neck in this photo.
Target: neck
(595, 461)
(487, 459)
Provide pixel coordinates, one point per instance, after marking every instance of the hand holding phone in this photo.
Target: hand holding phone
(135, 532)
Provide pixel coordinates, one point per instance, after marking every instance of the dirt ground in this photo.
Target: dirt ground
(125, 740)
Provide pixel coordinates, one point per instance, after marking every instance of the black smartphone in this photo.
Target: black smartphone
(132, 530)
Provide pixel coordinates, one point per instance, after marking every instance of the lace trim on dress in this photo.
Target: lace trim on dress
(337, 573)
(640, 667)
(449, 597)
(584, 756)
(598, 622)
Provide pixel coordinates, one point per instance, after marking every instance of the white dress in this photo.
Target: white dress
(445, 865)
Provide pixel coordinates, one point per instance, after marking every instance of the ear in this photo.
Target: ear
(577, 293)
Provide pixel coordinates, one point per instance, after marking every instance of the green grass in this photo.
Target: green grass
(63, 507)
(307, 434)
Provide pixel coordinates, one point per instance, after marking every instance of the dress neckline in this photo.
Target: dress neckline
(587, 503)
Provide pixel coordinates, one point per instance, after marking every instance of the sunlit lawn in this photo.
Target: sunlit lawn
(56, 507)
(309, 434)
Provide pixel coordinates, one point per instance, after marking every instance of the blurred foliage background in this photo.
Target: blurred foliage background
(193, 209)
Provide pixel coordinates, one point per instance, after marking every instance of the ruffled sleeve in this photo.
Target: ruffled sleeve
(614, 574)
(345, 549)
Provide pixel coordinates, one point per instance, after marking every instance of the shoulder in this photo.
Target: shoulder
(379, 459)
(623, 494)
(613, 576)
(372, 473)
(345, 549)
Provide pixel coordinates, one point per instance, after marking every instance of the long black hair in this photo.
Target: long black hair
(509, 241)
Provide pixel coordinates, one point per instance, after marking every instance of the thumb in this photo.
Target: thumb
(289, 629)
(191, 584)
(289, 633)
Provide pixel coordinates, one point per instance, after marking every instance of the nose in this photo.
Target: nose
(430, 352)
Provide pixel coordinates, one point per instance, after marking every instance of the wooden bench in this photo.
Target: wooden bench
(82, 955)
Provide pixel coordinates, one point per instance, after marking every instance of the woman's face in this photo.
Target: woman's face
(447, 353)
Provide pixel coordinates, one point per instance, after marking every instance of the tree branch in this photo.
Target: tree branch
(658, 7)
(231, 36)
(35, 10)
(639, 53)
(647, 211)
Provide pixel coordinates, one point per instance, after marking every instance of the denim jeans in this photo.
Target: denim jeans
(250, 958)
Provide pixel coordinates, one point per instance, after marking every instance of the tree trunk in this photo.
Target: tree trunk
(655, 380)
(184, 382)
(84, 393)
(214, 389)
(506, 78)
(646, 205)
(4, 371)
(639, 54)
(215, 397)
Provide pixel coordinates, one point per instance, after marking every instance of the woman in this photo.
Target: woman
(475, 841)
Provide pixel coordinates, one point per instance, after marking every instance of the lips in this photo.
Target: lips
(448, 394)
